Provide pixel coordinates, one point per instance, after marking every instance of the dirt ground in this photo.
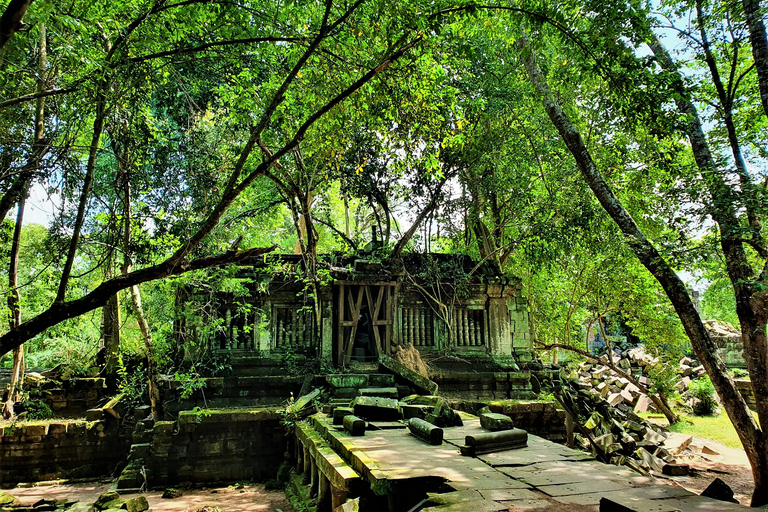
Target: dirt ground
(251, 498)
(728, 464)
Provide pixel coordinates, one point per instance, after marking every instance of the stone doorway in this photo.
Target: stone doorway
(364, 320)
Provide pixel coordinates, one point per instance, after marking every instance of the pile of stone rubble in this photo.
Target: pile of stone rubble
(616, 434)
(637, 363)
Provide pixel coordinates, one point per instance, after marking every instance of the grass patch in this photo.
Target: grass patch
(716, 427)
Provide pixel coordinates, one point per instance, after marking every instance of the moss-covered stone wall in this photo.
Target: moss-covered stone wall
(53, 450)
(208, 446)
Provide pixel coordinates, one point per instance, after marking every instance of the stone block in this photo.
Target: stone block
(35, 430)
(140, 451)
(57, 429)
(354, 425)
(390, 392)
(425, 431)
(376, 408)
(494, 421)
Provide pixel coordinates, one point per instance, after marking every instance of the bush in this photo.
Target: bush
(703, 393)
(37, 410)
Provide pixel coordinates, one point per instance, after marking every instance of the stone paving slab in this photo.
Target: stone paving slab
(509, 494)
(543, 475)
(586, 487)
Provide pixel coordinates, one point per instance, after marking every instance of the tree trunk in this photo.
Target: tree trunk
(153, 375)
(398, 250)
(749, 432)
(110, 336)
(17, 371)
(98, 128)
(759, 42)
(11, 21)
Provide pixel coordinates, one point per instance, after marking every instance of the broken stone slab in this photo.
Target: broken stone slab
(605, 440)
(615, 399)
(304, 403)
(494, 442)
(642, 403)
(340, 412)
(374, 408)
(353, 380)
(425, 431)
(417, 382)
(444, 416)
(495, 421)
(653, 436)
(354, 425)
(635, 504)
(649, 459)
(719, 490)
(709, 451)
(462, 501)
(430, 400)
(678, 447)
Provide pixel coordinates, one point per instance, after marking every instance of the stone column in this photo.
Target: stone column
(339, 497)
(306, 474)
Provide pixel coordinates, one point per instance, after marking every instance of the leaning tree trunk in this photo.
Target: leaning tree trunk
(749, 432)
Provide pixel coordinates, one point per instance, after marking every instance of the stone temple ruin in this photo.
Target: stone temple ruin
(361, 430)
(367, 310)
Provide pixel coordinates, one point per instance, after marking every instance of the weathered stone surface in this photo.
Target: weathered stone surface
(642, 403)
(106, 498)
(417, 382)
(354, 425)
(375, 408)
(415, 411)
(649, 459)
(390, 392)
(340, 412)
(425, 431)
(494, 421)
(497, 441)
(113, 504)
(136, 504)
(429, 400)
(347, 381)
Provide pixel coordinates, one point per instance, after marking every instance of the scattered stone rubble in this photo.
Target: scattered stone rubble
(616, 434)
(110, 501)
